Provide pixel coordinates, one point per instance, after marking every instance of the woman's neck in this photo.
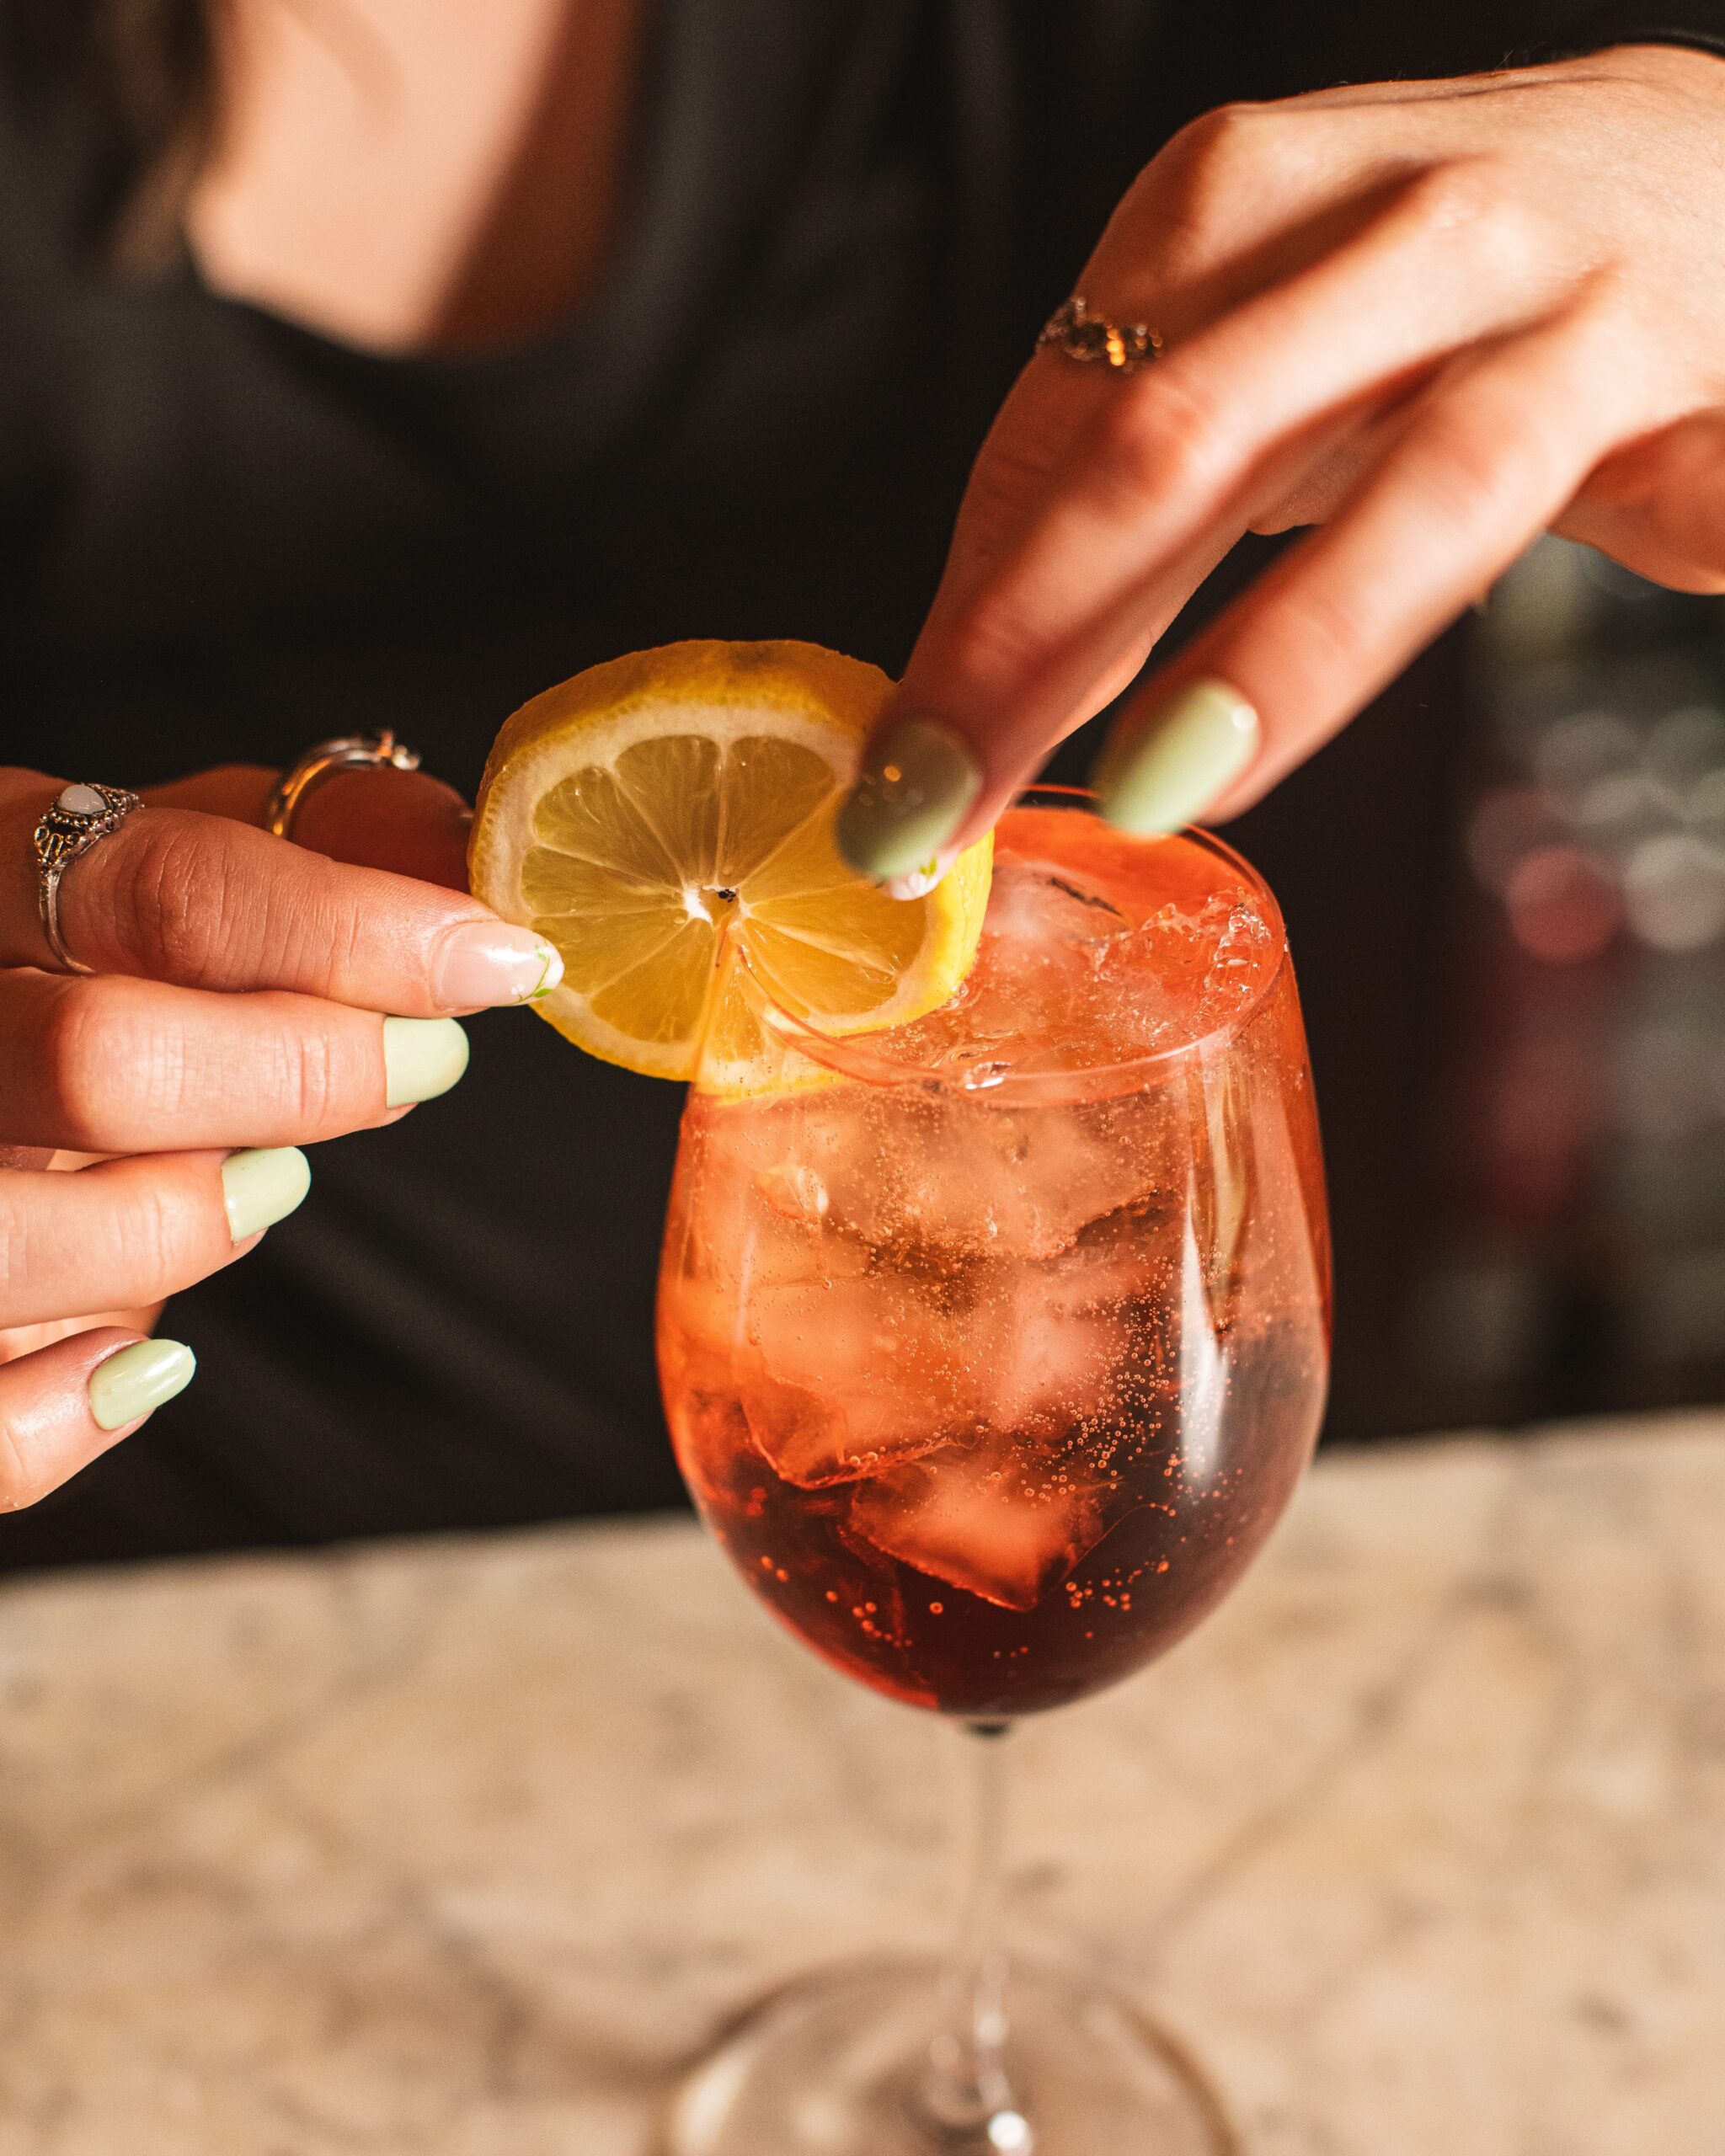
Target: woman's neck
(417, 174)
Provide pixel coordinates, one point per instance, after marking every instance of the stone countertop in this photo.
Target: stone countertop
(462, 1848)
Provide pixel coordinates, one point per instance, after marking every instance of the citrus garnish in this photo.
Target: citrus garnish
(658, 813)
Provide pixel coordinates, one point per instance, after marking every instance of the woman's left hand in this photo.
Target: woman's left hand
(1434, 318)
(238, 1004)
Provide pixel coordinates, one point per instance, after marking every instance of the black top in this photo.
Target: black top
(228, 537)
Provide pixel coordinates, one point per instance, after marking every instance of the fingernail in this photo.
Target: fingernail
(908, 801)
(422, 1057)
(1172, 769)
(484, 962)
(137, 1380)
(263, 1186)
(922, 879)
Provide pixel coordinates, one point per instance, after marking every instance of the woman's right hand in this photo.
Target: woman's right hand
(247, 996)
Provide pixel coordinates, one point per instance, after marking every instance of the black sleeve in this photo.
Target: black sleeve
(1698, 23)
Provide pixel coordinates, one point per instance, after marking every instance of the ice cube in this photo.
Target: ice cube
(1054, 1359)
(853, 1374)
(815, 1439)
(1096, 962)
(1192, 966)
(771, 1252)
(1030, 1001)
(977, 1178)
(795, 1192)
(1072, 1165)
(996, 1519)
(965, 1182)
(1032, 902)
(713, 1436)
(1238, 966)
(1073, 978)
(1127, 1254)
(912, 1169)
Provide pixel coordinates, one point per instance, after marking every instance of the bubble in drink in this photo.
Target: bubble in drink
(993, 1368)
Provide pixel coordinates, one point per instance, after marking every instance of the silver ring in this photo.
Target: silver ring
(343, 753)
(82, 817)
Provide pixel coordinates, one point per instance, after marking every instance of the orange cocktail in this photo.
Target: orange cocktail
(993, 1353)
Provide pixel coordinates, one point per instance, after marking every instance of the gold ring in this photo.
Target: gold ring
(323, 758)
(82, 817)
(1124, 346)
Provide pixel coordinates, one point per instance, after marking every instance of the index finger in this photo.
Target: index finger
(373, 816)
(177, 895)
(1182, 456)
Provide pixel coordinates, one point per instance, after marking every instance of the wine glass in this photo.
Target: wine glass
(993, 1347)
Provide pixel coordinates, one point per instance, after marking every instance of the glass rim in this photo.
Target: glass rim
(849, 1054)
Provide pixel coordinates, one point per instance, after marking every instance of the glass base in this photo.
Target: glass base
(833, 2065)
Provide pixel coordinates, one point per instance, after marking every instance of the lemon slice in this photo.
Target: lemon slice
(661, 815)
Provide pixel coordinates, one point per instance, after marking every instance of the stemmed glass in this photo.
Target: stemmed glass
(993, 1348)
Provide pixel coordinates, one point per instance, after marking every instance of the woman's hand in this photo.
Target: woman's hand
(1434, 318)
(236, 1012)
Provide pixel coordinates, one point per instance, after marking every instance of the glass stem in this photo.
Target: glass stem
(966, 2092)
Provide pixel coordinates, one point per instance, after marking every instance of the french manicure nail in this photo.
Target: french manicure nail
(1173, 768)
(922, 879)
(483, 962)
(422, 1057)
(137, 1380)
(910, 799)
(263, 1186)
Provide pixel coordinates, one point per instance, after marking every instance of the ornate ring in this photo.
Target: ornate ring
(82, 817)
(1073, 329)
(323, 758)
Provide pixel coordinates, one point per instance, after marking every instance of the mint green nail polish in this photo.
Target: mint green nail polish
(137, 1380)
(263, 1186)
(1175, 767)
(422, 1057)
(908, 801)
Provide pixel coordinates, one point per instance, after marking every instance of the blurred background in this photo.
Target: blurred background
(1576, 1119)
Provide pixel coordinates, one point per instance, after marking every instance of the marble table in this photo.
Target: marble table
(462, 1848)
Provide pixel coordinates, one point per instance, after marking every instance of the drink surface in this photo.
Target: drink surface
(992, 1368)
